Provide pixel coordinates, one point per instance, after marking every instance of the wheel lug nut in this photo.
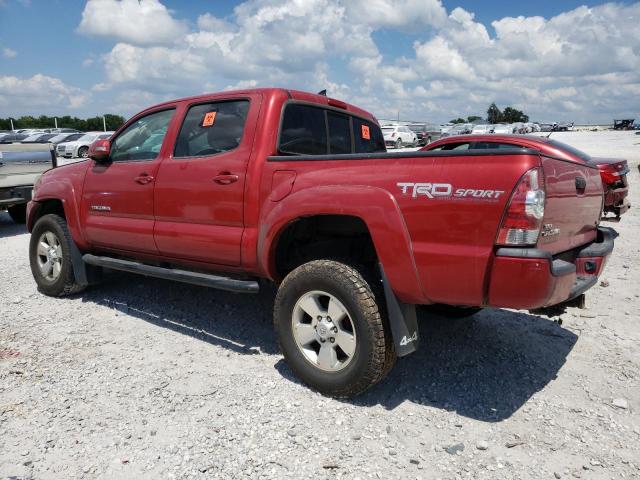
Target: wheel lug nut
(335, 330)
(322, 340)
(333, 340)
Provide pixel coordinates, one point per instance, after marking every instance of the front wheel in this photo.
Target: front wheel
(50, 257)
(330, 328)
(399, 143)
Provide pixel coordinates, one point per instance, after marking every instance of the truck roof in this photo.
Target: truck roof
(273, 91)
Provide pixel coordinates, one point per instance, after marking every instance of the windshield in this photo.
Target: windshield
(387, 129)
(417, 128)
(568, 148)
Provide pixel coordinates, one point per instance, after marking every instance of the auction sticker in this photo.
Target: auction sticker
(209, 118)
(366, 134)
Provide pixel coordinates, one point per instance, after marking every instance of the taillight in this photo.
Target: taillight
(521, 224)
(609, 176)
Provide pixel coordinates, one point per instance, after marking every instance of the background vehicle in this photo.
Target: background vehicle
(460, 129)
(626, 124)
(616, 185)
(80, 147)
(20, 165)
(14, 137)
(613, 172)
(425, 132)
(482, 129)
(502, 129)
(39, 138)
(398, 136)
(65, 137)
(298, 189)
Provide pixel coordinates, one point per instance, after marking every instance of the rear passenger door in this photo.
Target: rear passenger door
(199, 195)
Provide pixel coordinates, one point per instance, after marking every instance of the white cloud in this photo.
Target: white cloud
(580, 65)
(9, 53)
(140, 22)
(39, 94)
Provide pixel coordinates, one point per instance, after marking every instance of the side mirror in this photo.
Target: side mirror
(99, 151)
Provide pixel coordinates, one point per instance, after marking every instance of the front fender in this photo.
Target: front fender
(62, 189)
(376, 207)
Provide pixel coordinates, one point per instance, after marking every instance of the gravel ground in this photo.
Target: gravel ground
(143, 378)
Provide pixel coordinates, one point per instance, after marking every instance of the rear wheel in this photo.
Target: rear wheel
(18, 213)
(399, 143)
(83, 152)
(330, 328)
(50, 257)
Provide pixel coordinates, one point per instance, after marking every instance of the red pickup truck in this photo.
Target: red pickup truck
(225, 189)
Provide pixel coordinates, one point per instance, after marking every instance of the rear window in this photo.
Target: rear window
(368, 137)
(303, 131)
(568, 148)
(489, 145)
(339, 133)
(451, 146)
(311, 130)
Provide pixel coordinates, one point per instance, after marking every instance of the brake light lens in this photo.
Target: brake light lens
(609, 176)
(525, 211)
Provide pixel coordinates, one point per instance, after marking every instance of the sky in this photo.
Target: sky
(424, 60)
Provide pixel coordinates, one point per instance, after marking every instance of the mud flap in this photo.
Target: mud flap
(402, 320)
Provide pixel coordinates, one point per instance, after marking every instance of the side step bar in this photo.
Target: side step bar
(194, 278)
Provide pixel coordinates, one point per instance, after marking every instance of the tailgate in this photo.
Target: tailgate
(573, 205)
(23, 167)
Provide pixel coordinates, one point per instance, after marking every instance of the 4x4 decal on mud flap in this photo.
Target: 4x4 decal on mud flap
(407, 340)
(445, 190)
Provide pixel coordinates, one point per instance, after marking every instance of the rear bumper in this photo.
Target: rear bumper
(616, 201)
(530, 278)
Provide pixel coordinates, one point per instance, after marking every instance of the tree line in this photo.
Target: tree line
(495, 115)
(83, 124)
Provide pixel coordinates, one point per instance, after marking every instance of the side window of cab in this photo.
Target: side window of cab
(142, 140)
(212, 128)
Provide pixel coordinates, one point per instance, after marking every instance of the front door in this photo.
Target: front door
(199, 194)
(117, 200)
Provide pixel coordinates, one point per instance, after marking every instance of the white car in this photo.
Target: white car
(80, 147)
(501, 128)
(398, 136)
(482, 129)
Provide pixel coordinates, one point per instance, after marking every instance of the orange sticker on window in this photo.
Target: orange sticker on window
(366, 134)
(209, 118)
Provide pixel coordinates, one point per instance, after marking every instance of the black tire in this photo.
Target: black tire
(374, 353)
(65, 283)
(83, 152)
(18, 213)
(428, 141)
(450, 311)
(398, 143)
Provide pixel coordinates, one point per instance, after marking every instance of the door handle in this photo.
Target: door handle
(144, 178)
(225, 178)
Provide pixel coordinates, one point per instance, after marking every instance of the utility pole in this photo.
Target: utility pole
(104, 123)
(55, 119)
(11, 120)
(398, 116)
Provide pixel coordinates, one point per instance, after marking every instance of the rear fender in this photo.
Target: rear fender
(376, 207)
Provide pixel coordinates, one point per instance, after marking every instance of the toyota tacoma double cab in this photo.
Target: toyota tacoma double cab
(225, 189)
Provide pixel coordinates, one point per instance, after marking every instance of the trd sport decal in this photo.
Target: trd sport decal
(445, 190)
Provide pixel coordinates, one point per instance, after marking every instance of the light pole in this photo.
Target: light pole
(104, 123)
